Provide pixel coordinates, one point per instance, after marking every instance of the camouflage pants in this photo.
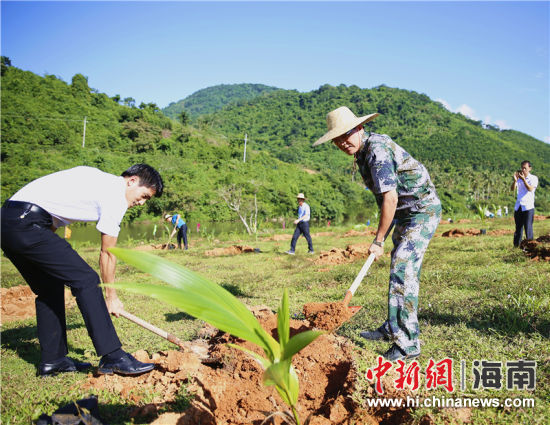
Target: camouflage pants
(411, 236)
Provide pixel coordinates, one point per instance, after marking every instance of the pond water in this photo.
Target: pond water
(160, 231)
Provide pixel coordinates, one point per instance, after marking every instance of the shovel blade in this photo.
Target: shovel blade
(355, 308)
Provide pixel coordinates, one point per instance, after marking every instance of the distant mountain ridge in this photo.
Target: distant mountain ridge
(214, 98)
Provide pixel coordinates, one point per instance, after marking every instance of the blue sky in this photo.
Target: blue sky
(488, 60)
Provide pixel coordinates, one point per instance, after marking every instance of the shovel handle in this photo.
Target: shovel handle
(168, 336)
(360, 275)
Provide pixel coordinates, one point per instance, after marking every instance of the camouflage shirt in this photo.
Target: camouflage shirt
(385, 165)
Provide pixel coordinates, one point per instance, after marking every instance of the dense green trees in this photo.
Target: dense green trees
(214, 98)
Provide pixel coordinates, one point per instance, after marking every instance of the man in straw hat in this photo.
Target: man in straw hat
(406, 196)
(302, 225)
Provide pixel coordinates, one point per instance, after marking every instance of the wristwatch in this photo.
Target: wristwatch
(380, 244)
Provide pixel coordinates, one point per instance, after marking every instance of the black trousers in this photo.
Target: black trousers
(182, 235)
(524, 220)
(48, 263)
(301, 228)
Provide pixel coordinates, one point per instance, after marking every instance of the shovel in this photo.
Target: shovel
(351, 291)
(172, 338)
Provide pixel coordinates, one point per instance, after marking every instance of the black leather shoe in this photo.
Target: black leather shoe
(376, 335)
(396, 353)
(64, 364)
(124, 365)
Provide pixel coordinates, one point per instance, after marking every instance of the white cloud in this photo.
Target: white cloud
(467, 111)
(445, 104)
(503, 125)
(547, 139)
(470, 112)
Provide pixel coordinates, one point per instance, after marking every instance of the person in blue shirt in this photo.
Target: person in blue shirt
(302, 225)
(179, 226)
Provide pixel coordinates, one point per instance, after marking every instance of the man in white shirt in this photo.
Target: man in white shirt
(48, 262)
(302, 225)
(524, 210)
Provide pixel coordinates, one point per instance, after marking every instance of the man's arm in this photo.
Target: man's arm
(515, 182)
(527, 185)
(107, 266)
(175, 227)
(387, 212)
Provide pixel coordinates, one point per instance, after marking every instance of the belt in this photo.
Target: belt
(27, 207)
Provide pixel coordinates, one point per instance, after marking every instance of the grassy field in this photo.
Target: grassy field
(480, 299)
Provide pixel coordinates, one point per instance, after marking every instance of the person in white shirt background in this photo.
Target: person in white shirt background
(302, 225)
(524, 210)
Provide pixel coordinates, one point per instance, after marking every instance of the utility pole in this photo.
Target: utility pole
(84, 133)
(244, 157)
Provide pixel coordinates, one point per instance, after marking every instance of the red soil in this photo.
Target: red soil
(457, 233)
(18, 303)
(232, 250)
(538, 249)
(340, 256)
(327, 316)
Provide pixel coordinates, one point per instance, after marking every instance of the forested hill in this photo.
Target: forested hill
(42, 126)
(211, 99)
(286, 123)
(472, 161)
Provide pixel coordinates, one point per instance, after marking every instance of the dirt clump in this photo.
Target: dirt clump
(353, 232)
(340, 256)
(457, 233)
(541, 217)
(18, 303)
(232, 250)
(537, 249)
(152, 247)
(327, 316)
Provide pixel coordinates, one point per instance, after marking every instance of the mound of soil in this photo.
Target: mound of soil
(227, 383)
(352, 232)
(457, 233)
(232, 250)
(18, 303)
(153, 247)
(340, 256)
(541, 217)
(327, 316)
(538, 249)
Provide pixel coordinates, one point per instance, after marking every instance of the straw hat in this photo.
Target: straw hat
(300, 196)
(340, 121)
(167, 216)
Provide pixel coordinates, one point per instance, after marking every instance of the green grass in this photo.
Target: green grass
(479, 299)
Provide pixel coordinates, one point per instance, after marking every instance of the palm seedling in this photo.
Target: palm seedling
(208, 301)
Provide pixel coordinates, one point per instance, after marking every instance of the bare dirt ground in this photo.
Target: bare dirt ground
(457, 233)
(153, 247)
(18, 303)
(537, 249)
(327, 316)
(227, 383)
(232, 250)
(340, 256)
